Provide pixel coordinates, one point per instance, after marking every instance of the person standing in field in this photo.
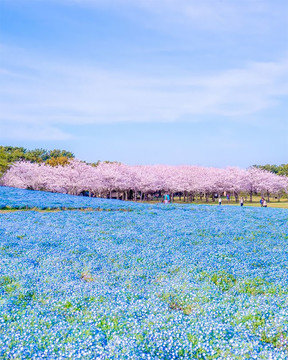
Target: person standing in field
(264, 203)
(219, 200)
(241, 201)
(166, 199)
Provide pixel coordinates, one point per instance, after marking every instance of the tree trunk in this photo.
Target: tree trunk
(251, 195)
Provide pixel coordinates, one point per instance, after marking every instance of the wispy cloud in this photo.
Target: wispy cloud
(37, 132)
(248, 16)
(213, 69)
(45, 94)
(223, 15)
(41, 96)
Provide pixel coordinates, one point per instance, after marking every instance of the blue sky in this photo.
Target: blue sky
(147, 81)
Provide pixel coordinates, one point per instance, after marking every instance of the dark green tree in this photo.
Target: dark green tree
(10, 154)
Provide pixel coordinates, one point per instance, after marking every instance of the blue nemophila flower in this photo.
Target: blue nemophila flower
(168, 283)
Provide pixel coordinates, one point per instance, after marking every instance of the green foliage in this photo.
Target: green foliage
(24, 299)
(279, 340)
(10, 154)
(56, 161)
(192, 339)
(174, 270)
(68, 305)
(223, 280)
(253, 321)
(8, 284)
(178, 303)
(59, 153)
(5, 280)
(256, 286)
(95, 164)
(276, 169)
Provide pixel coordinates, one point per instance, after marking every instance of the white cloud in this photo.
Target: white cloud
(24, 131)
(223, 15)
(216, 15)
(40, 96)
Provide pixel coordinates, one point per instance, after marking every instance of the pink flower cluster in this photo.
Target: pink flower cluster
(79, 177)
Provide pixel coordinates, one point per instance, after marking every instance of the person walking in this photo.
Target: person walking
(241, 201)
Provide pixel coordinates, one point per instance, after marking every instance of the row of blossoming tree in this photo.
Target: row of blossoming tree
(144, 182)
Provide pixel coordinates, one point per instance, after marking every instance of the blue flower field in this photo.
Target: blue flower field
(154, 282)
(30, 199)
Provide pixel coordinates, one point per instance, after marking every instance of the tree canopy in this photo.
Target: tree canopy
(11, 154)
(276, 169)
(79, 177)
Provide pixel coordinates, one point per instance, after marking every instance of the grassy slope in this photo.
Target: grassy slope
(274, 203)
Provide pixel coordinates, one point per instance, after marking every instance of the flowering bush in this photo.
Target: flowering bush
(156, 282)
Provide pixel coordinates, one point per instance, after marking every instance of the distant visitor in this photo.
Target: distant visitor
(166, 199)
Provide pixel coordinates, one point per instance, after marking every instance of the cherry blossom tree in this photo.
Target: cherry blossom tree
(77, 177)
